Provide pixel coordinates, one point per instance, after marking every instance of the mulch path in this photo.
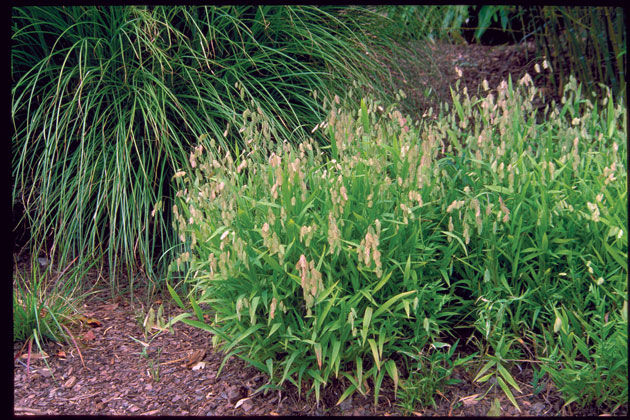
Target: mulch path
(114, 374)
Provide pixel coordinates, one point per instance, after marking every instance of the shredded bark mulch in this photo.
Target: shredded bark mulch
(120, 369)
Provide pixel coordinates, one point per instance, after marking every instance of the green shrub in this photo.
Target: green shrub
(105, 100)
(558, 243)
(494, 216)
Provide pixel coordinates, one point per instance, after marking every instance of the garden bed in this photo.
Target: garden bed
(115, 378)
(116, 374)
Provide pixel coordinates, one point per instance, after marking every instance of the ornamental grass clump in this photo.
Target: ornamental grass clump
(319, 265)
(105, 100)
(538, 205)
(348, 261)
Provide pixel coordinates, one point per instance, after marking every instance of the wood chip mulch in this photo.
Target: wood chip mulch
(120, 371)
(176, 374)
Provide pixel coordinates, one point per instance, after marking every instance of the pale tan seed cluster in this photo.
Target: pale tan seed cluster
(368, 248)
(311, 281)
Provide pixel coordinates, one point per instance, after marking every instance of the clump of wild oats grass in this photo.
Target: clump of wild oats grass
(348, 262)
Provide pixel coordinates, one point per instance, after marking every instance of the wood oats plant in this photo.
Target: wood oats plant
(314, 285)
(493, 217)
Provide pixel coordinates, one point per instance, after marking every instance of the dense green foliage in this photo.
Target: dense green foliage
(44, 305)
(421, 22)
(105, 101)
(491, 216)
(319, 236)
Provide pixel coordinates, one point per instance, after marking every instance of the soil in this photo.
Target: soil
(426, 71)
(116, 367)
(109, 371)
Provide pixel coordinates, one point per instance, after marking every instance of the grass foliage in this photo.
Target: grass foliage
(493, 216)
(45, 305)
(406, 23)
(323, 238)
(105, 101)
(38, 312)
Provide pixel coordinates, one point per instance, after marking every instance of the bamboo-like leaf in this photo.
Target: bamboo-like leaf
(391, 301)
(359, 372)
(176, 319)
(381, 282)
(175, 296)
(335, 358)
(458, 239)
(346, 393)
(392, 371)
(457, 104)
(252, 309)
(507, 392)
(274, 328)
(377, 385)
(234, 342)
(375, 353)
(484, 369)
(506, 375)
(196, 308)
(407, 269)
(287, 366)
(318, 354)
(367, 317)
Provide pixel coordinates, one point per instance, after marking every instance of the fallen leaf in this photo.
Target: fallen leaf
(150, 413)
(34, 356)
(469, 400)
(92, 322)
(198, 365)
(70, 382)
(110, 307)
(195, 357)
(61, 354)
(45, 372)
(89, 336)
(240, 402)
